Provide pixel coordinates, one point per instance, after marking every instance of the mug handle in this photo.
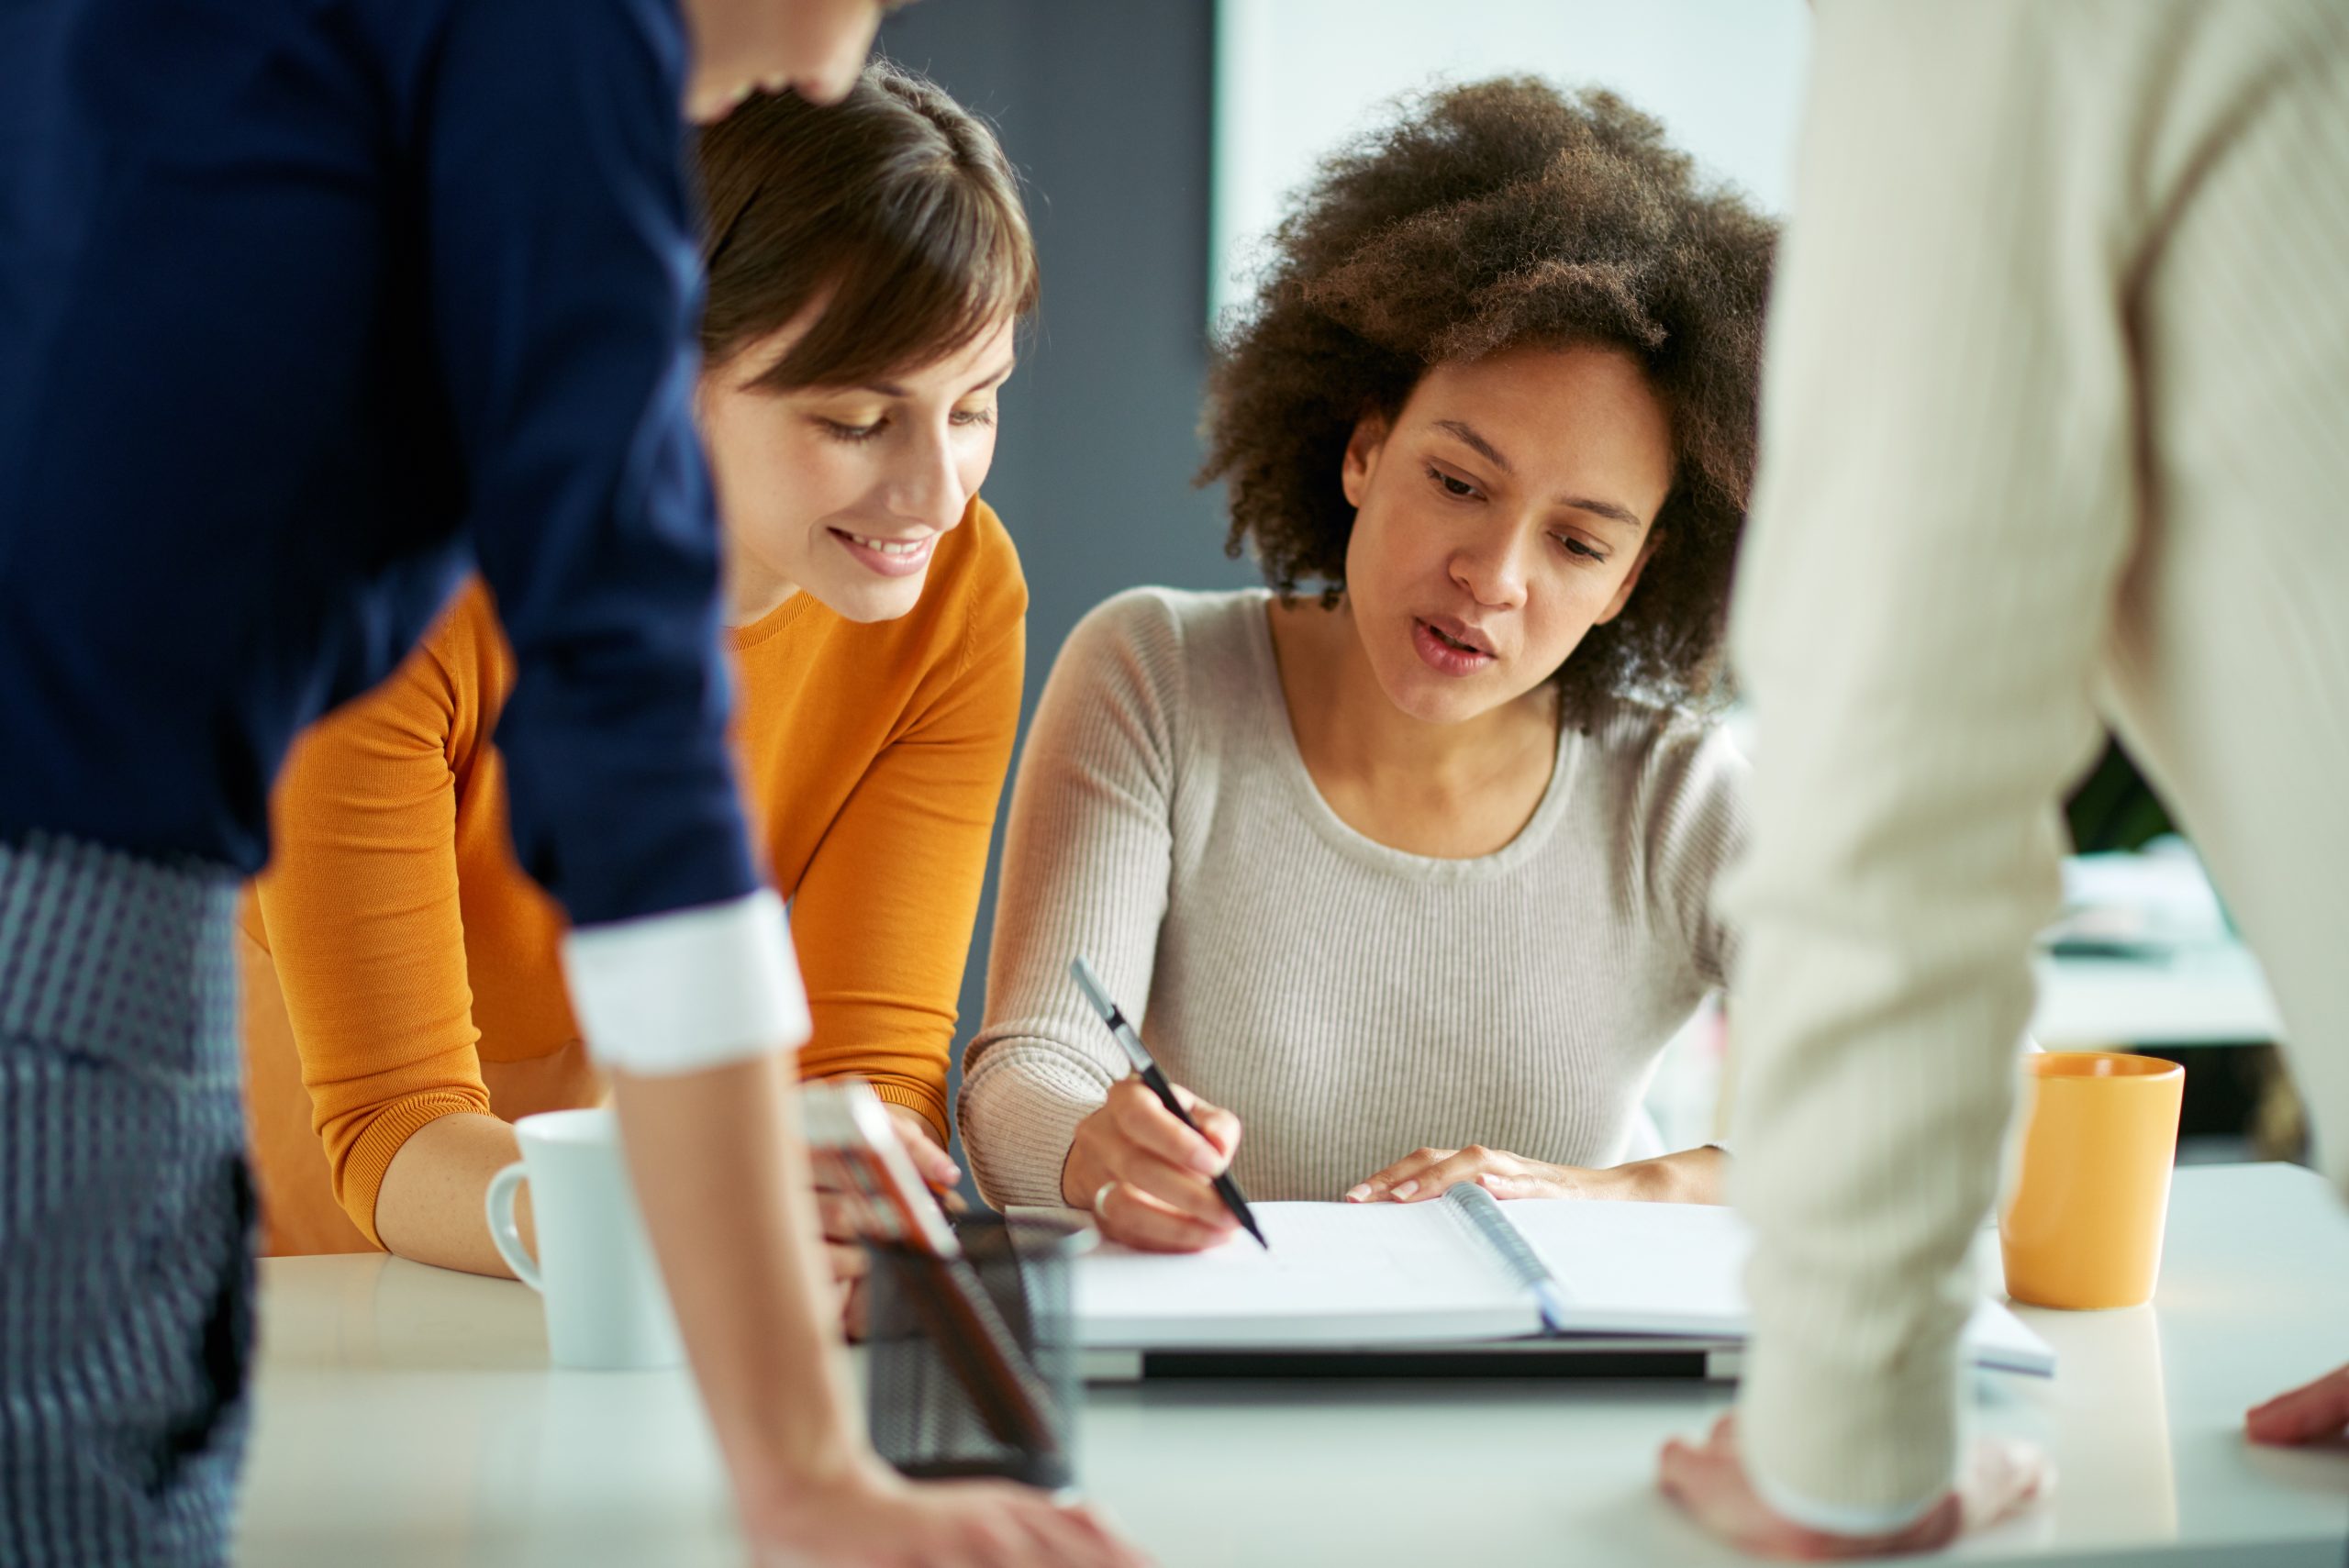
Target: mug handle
(504, 1232)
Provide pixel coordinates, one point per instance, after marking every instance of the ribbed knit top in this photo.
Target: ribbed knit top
(1350, 1002)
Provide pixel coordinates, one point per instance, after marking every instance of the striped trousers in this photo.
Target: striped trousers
(126, 1212)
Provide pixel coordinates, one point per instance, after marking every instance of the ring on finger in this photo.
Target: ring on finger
(1102, 1196)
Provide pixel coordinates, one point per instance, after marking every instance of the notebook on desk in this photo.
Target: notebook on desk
(1415, 1279)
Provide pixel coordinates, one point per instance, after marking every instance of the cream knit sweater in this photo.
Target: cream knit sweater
(1349, 1001)
(2055, 433)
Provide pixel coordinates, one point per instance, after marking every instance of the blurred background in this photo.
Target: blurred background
(1157, 139)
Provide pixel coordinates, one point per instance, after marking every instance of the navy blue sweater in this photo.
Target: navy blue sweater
(306, 307)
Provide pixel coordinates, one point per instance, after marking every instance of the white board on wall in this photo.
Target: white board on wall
(1296, 79)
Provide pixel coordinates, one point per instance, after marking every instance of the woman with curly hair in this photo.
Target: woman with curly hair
(1410, 873)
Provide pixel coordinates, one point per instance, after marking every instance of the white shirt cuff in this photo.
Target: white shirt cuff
(1834, 1519)
(688, 990)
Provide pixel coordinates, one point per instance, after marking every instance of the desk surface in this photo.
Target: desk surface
(2194, 997)
(407, 1416)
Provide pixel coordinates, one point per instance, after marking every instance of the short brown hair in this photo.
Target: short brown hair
(1491, 215)
(895, 206)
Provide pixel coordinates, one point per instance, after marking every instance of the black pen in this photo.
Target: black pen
(1147, 1070)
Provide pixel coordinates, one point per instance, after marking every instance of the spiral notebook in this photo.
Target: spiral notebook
(1461, 1269)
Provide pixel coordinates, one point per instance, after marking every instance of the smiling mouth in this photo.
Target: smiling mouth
(906, 557)
(887, 546)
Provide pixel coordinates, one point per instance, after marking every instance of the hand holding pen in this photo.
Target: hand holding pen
(1152, 1162)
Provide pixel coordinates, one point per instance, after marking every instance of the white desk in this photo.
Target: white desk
(406, 1416)
(2198, 995)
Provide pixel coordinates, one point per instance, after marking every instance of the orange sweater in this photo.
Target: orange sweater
(415, 966)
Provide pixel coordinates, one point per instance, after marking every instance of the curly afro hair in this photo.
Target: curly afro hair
(1488, 216)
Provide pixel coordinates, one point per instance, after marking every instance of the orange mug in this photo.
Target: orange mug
(2083, 1226)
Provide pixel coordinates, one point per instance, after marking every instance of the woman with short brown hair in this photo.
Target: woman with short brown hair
(868, 261)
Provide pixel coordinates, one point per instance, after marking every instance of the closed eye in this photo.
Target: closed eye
(851, 433)
(1576, 546)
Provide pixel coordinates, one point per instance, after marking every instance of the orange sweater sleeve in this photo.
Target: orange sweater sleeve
(360, 904)
(881, 917)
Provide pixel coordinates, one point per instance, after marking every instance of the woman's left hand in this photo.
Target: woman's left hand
(1693, 1175)
(844, 1246)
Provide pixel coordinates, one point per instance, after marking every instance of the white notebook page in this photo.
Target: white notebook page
(1335, 1273)
(1641, 1267)
(1679, 1268)
(1402, 1273)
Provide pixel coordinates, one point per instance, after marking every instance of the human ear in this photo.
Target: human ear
(1362, 457)
(1631, 579)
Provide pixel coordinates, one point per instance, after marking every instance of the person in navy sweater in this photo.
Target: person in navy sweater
(306, 307)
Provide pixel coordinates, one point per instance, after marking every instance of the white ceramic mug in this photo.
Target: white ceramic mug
(605, 1306)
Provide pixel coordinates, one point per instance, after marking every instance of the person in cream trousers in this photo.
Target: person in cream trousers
(2053, 438)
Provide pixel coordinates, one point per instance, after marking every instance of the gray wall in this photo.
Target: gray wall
(1103, 108)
